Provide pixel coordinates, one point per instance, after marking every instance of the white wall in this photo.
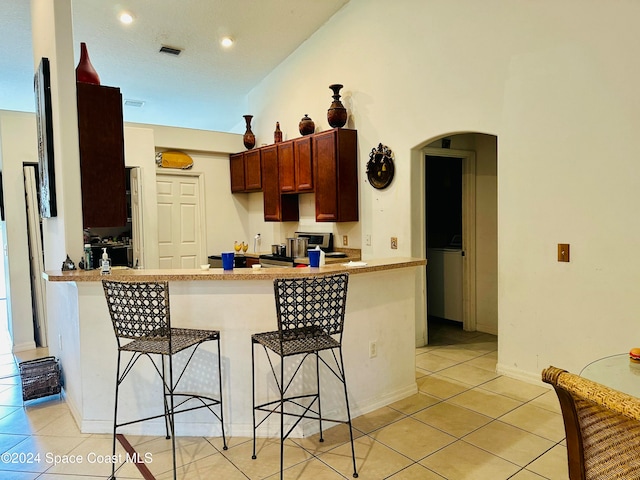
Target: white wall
(556, 82)
(15, 150)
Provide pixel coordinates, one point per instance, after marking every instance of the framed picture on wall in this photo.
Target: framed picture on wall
(1, 199)
(44, 120)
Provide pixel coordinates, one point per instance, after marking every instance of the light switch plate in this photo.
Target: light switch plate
(394, 243)
(563, 252)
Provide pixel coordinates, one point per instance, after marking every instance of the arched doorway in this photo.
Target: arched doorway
(477, 243)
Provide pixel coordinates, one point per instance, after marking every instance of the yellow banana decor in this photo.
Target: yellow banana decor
(174, 160)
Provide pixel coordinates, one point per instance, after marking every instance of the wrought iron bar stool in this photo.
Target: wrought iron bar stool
(310, 313)
(141, 319)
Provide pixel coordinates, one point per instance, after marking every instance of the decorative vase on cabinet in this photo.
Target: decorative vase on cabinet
(306, 125)
(337, 114)
(277, 134)
(85, 72)
(249, 138)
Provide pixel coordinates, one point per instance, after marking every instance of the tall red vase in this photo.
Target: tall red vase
(85, 72)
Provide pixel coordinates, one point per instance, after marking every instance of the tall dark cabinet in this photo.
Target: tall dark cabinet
(336, 175)
(101, 142)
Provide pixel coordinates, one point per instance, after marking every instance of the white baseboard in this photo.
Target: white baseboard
(23, 347)
(521, 375)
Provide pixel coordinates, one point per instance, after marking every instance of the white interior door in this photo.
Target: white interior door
(36, 255)
(181, 225)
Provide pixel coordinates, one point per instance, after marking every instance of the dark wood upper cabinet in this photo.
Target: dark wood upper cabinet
(277, 207)
(286, 167)
(325, 163)
(303, 164)
(246, 171)
(295, 168)
(236, 168)
(335, 154)
(252, 171)
(101, 144)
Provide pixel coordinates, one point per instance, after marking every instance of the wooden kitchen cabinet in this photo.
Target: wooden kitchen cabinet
(246, 171)
(295, 167)
(101, 145)
(277, 207)
(335, 165)
(236, 169)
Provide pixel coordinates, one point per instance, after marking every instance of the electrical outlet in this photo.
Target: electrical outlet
(345, 240)
(367, 239)
(394, 243)
(60, 341)
(373, 349)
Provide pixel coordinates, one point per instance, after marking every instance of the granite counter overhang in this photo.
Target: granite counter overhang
(173, 275)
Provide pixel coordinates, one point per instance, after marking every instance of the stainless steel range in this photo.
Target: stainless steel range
(273, 261)
(322, 240)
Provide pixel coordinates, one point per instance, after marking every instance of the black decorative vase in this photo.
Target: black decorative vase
(249, 138)
(337, 114)
(306, 125)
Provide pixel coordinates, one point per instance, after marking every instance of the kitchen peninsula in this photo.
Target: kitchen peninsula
(380, 308)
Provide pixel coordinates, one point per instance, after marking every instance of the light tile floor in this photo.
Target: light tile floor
(466, 422)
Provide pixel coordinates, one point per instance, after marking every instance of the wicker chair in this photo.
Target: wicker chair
(310, 315)
(141, 320)
(602, 427)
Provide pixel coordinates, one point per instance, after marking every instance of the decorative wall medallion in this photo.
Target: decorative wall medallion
(380, 167)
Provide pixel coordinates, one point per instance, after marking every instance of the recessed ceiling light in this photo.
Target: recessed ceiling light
(126, 18)
(226, 42)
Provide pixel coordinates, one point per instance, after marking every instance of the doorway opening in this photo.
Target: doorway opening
(454, 204)
(443, 224)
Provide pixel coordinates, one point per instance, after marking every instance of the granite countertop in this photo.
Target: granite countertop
(235, 274)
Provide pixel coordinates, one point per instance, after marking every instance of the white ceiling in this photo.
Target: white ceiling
(204, 87)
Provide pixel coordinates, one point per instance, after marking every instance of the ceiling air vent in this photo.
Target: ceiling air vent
(133, 103)
(170, 50)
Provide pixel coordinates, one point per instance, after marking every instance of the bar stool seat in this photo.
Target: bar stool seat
(141, 318)
(310, 313)
(181, 339)
(301, 340)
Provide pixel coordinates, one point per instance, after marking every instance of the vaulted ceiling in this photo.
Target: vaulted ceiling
(204, 87)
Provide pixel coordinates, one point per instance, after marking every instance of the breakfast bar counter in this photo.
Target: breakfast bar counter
(381, 306)
(175, 275)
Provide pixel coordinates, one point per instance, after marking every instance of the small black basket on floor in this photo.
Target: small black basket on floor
(40, 378)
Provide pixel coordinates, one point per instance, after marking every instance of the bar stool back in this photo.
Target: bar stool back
(310, 313)
(141, 318)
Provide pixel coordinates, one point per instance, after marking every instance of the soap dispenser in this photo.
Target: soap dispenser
(105, 267)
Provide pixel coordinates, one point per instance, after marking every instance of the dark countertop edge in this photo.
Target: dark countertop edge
(215, 274)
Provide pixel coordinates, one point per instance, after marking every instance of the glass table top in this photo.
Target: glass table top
(615, 371)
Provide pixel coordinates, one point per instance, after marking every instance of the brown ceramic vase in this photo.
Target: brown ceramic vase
(337, 114)
(248, 138)
(277, 134)
(306, 125)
